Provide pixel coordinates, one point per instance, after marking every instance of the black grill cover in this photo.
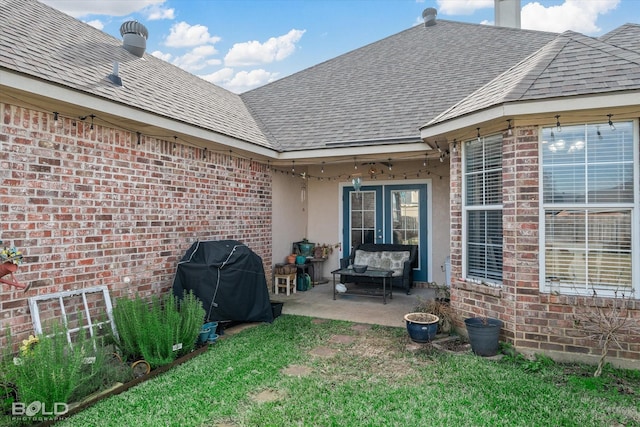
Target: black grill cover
(228, 278)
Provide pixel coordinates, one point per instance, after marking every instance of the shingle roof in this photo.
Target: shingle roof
(388, 89)
(571, 65)
(626, 36)
(47, 44)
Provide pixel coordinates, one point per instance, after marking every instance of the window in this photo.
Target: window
(590, 208)
(483, 209)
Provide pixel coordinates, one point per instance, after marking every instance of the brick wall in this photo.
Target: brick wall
(534, 322)
(91, 208)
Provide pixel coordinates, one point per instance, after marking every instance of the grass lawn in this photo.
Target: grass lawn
(303, 372)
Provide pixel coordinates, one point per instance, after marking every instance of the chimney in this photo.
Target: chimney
(134, 37)
(507, 13)
(429, 16)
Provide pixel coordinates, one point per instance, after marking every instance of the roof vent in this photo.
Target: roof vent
(429, 16)
(134, 37)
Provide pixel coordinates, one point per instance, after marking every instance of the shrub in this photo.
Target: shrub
(150, 330)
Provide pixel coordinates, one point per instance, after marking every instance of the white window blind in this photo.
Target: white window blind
(483, 209)
(589, 204)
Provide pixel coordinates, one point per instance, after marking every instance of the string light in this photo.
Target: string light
(293, 165)
(322, 168)
(390, 165)
(355, 164)
(610, 122)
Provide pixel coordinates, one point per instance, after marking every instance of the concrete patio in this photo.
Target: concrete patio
(318, 302)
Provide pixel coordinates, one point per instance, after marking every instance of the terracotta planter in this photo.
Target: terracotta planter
(8, 268)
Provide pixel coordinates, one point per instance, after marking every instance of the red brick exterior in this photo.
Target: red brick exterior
(534, 322)
(90, 209)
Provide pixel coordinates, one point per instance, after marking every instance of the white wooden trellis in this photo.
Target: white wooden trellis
(60, 296)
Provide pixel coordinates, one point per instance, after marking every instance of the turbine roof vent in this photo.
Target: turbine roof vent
(134, 37)
(429, 16)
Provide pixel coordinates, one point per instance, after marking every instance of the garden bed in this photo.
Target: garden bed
(79, 406)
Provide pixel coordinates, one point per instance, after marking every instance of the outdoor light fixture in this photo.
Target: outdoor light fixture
(56, 123)
(479, 140)
(357, 183)
(558, 127)
(610, 122)
(509, 129)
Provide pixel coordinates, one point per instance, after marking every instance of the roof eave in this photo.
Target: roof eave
(41, 88)
(473, 120)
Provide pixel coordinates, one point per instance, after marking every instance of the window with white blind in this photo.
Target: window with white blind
(483, 209)
(590, 208)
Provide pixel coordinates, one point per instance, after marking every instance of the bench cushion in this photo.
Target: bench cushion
(383, 260)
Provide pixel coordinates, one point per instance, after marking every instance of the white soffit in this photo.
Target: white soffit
(97, 104)
(543, 106)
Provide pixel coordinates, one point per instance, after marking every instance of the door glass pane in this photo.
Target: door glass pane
(405, 219)
(363, 217)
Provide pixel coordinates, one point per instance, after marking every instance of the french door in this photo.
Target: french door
(387, 214)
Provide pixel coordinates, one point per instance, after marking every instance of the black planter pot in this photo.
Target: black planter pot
(483, 335)
(422, 327)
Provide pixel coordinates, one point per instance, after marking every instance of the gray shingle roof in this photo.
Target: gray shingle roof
(47, 44)
(388, 89)
(626, 36)
(571, 65)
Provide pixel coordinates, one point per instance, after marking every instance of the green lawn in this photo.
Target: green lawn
(368, 378)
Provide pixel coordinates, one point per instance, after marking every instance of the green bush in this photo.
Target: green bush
(150, 330)
(51, 369)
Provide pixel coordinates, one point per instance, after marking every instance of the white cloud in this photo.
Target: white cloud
(576, 15)
(462, 7)
(241, 81)
(185, 35)
(79, 8)
(164, 56)
(155, 12)
(254, 52)
(196, 59)
(96, 23)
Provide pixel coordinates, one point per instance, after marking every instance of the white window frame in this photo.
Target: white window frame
(585, 289)
(466, 208)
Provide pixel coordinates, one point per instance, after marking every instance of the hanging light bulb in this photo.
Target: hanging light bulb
(293, 165)
(479, 139)
(509, 129)
(322, 168)
(610, 122)
(56, 122)
(390, 165)
(355, 165)
(558, 127)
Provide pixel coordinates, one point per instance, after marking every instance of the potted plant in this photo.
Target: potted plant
(441, 308)
(9, 260)
(484, 333)
(422, 327)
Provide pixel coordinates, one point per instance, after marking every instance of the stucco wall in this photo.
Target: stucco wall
(290, 212)
(91, 209)
(325, 211)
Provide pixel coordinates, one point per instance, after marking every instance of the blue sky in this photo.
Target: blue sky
(243, 44)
